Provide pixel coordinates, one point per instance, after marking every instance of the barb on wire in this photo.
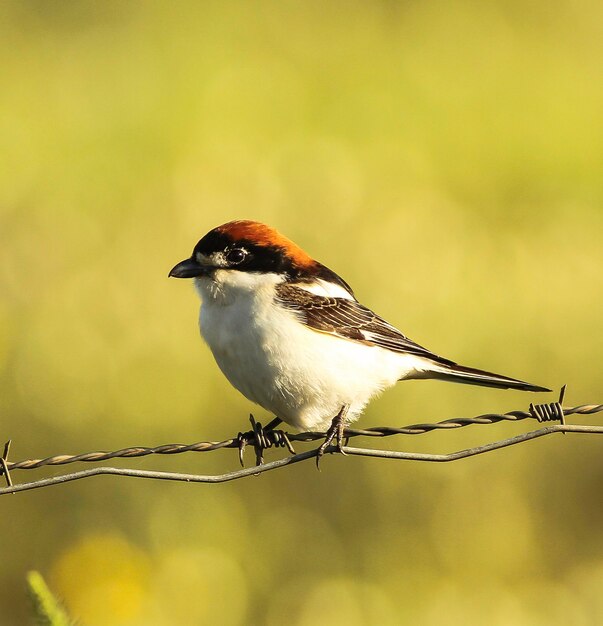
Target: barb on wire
(542, 413)
(262, 439)
(4, 464)
(552, 412)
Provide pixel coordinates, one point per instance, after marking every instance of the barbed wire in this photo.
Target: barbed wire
(262, 439)
(537, 412)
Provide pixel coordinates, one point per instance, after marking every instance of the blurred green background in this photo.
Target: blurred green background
(445, 157)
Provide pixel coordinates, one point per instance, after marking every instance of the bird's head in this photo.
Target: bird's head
(243, 253)
(243, 249)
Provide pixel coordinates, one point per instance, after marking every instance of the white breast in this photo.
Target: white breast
(298, 374)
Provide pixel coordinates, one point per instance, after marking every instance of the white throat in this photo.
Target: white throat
(228, 286)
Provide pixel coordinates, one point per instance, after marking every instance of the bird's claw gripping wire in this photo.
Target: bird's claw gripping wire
(261, 439)
(336, 431)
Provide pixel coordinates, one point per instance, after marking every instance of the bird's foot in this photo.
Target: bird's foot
(336, 431)
(261, 439)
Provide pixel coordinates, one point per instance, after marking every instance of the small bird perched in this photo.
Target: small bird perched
(290, 335)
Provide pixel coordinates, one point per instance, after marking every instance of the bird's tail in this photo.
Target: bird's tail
(471, 376)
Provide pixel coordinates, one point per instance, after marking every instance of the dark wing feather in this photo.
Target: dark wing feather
(350, 320)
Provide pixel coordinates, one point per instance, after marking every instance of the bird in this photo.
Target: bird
(291, 336)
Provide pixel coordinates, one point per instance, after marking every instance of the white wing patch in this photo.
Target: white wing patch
(326, 289)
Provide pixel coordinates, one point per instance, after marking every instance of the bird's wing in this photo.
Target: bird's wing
(350, 320)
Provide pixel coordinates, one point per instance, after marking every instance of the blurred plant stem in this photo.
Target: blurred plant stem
(47, 610)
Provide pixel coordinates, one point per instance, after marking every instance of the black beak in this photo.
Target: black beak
(189, 268)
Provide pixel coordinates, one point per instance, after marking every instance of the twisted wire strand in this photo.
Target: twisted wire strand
(554, 411)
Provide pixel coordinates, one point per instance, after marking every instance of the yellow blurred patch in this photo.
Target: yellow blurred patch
(103, 580)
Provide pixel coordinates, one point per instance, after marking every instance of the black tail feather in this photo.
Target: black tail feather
(471, 376)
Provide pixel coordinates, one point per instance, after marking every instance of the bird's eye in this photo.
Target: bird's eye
(235, 256)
